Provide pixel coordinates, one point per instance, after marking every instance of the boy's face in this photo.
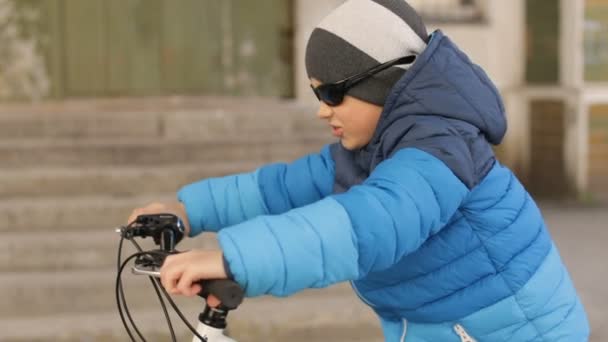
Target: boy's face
(353, 121)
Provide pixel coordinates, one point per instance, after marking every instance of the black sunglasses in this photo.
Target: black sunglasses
(333, 93)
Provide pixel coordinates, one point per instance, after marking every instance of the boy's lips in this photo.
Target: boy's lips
(336, 131)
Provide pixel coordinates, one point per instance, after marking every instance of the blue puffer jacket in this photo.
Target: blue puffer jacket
(436, 236)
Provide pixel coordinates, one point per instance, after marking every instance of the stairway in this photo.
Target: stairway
(71, 172)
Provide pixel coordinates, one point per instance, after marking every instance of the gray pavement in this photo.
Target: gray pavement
(335, 314)
(581, 234)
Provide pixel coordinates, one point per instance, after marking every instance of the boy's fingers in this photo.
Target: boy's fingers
(134, 215)
(168, 261)
(196, 288)
(174, 259)
(173, 272)
(212, 301)
(152, 208)
(168, 278)
(155, 208)
(186, 285)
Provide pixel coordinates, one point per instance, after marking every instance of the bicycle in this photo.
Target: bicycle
(167, 231)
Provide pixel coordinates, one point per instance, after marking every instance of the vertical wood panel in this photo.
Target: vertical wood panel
(144, 47)
(286, 49)
(85, 48)
(258, 68)
(38, 21)
(191, 47)
(204, 60)
(174, 47)
(118, 42)
(134, 41)
(144, 43)
(54, 47)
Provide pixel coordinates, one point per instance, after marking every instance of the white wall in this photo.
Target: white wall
(498, 46)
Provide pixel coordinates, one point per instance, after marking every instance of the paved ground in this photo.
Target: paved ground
(335, 314)
(582, 238)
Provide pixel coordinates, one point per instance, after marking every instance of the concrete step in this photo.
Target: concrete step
(33, 294)
(333, 314)
(118, 181)
(80, 214)
(205, 119)
(73, 251)
(37, 154)
(30, 294)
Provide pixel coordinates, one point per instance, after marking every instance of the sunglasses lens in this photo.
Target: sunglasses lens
(331, 94)
(317, 94)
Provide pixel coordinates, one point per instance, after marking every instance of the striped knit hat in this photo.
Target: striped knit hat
(359, 35)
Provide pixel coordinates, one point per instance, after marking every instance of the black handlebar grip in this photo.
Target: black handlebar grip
(227, 291)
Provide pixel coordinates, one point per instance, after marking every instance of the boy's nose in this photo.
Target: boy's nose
(324, 111)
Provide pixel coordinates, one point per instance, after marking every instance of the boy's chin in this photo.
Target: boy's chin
(349, 145)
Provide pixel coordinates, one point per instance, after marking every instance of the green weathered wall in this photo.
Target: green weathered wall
(157, 47)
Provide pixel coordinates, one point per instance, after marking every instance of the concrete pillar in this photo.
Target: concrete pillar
(572, 78)
(508, 69)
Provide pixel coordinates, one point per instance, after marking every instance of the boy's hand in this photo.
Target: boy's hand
(181, 272)
(175, 208)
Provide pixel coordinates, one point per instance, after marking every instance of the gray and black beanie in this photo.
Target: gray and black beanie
(361, 34)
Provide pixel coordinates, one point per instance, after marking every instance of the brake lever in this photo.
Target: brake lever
(151, 271)
(150, 263)
(228, 292)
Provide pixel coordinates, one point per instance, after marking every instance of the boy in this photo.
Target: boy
(411, 206)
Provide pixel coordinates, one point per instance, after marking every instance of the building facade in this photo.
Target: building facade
(549, 60)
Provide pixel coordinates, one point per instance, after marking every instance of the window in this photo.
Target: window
(598, 150)
(450, 10)
(596, 40)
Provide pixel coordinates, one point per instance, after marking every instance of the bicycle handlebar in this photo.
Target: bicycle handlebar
(229, 293)
(167, 230)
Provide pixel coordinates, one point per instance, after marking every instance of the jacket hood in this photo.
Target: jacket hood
(444, 82)
(444, 105)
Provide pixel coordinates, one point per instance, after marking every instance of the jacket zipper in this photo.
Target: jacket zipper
(404, 331)
(464, 336)
(459, 329)
(404, 321)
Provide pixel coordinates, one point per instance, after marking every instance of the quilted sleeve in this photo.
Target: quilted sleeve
(408, 198)
(343, 237)
(304, 181)
(215, 203)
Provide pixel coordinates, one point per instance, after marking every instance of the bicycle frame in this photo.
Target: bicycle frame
(211, 322)
(211, 334)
